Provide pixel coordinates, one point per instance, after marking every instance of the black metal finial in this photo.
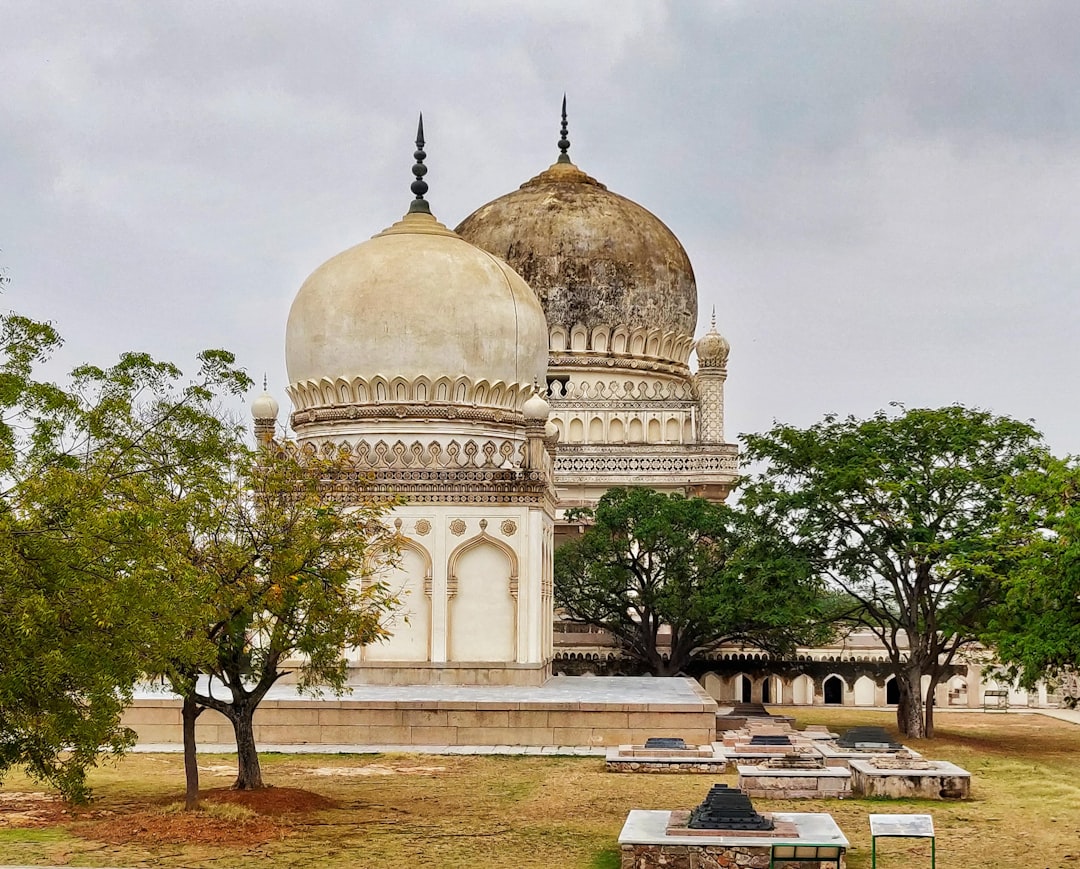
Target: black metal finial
(564, 143)
(264, 381)
(419, 186)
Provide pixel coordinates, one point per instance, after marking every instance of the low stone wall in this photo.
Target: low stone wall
(417, 722)
(629, 764)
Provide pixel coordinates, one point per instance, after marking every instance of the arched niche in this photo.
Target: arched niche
(713, 685)
(482, 584)
(409, 624)
(864, 691)
(596, 431)
(802, 690)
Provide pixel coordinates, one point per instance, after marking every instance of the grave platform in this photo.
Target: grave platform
(791, 782)
(651, 758)
(938, 780)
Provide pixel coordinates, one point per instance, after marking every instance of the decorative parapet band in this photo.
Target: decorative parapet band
(643, 390)
(574, 462)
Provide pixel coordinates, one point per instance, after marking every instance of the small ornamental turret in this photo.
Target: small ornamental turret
(712, 355)
(713, 348)
(536, 411)
(264, 410)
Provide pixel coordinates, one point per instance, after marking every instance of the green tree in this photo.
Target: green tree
(85, 585)
(286, 571)
(908, 516)
(706, 572)
(1035, 629)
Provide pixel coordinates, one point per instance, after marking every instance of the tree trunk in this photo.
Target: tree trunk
(901, 704)
(916, 724)
(928, 729)
(191, 710)
(248, 772)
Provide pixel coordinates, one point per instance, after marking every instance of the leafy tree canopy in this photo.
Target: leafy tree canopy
(286, 570)
(87, 580)
(908, 515)
(706, 572)
(1036, 627)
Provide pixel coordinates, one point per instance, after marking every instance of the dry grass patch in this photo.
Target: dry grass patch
(369, 812)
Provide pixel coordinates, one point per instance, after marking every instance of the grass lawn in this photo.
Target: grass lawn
(367, 811)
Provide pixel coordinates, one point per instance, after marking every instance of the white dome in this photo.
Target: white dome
(265, 407)
(411, 308)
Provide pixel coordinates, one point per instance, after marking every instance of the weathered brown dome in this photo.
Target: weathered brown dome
(594, 258)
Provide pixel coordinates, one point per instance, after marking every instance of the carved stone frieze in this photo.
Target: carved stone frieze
(627, 363)
(575, 462)
(398, 411)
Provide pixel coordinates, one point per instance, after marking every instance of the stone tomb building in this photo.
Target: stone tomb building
(424, 357)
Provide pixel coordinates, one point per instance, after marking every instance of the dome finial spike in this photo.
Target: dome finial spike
(564, 142)
(419, 186)
(713, 325)
(264, 381)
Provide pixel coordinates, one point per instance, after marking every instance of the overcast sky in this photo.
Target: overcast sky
(880, 198)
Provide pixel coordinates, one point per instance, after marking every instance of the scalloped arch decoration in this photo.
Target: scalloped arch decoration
(344, 392)
(481, 539)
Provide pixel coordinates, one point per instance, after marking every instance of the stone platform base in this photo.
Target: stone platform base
(564, 711)
(646, 843)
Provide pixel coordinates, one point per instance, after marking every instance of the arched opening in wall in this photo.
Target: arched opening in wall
(958, 692)
(636, 432)
(616, 432)
(892, 691)
(802, 690)
(654, 431)
(482, 598)
(864, 691)
(688, 432)
(409, 626)
(833, 689)
(596, 431)
(577, 431)
(674, 431)
(766, 691)
(558, 423)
